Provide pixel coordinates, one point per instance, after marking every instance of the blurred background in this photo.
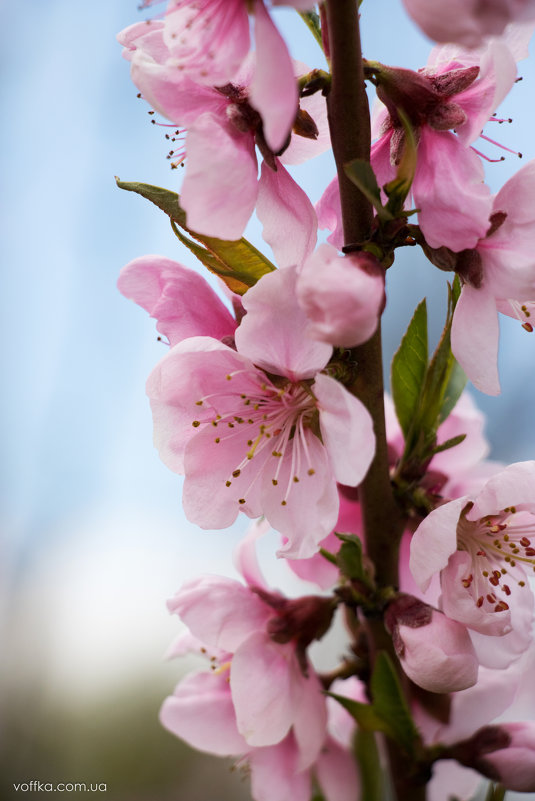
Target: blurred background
(93, 536)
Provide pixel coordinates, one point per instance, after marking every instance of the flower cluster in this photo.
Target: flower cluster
(269, 399)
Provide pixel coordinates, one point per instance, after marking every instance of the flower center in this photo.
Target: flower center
(501, 548)
(276, 419)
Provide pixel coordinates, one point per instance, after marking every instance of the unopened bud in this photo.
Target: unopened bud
(504, 753)
(342, 296)
(435, 652)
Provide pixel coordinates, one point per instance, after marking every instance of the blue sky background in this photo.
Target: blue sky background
(94, 537)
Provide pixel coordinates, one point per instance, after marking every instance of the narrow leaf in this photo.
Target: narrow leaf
(238, 263)
(453, 391)
(371, 771)
(364, 714)
(312, 21)
(450, 443)
(363, 176)
(390, 704)
(409, 367)
(435, 405)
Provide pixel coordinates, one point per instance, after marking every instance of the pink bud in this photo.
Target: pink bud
(342, 296)
(507, 755)
(434, 651)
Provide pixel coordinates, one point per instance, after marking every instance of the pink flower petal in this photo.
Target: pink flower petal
(347, 430)
(274, 774)
(502, 652)
(220, 186)
(329, 211)
(474, 338)
(245, 556)
(180, 300)
(271, 333)
(452, 780)
(434, 541)
(514, 486)
(448, 188)
(264, 681)
(201, 713)
(147, 38)
(337, 773)
(317, 569)
(496, 78)
(220, 611)
(289, 221)
(273, 91)
(174, 387)
(467, 23)
(311, 721)
(195, 32)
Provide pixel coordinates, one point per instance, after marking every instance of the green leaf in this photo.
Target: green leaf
(440, 379)
(371, 771)
(450, 443)
(238, 263)
(453, 391)
(363, 176)
(349, 558)
(312, 21)
(390, 704)
(409, 367)
(364, 714)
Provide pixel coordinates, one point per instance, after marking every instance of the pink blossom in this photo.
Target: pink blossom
(181, 301)
(434, 651)
(329, 211)
(500, 277)
(208, 41)
(243, 425)
(458, 90)
(257, 640)
(223, 126)
(342, 296)
(201, 713)
(482, 546)
(467, 23)
(274, 773)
